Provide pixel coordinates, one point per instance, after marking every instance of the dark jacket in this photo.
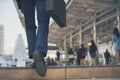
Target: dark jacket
(19, 4)
(107, 55)
(93, 50)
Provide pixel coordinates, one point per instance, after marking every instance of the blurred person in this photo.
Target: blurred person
(83, 53)
(75, 58)
(107, 57)
(93, 52)
(116, 42)
(37, 38)
(78, 56)
(71, 56)
(58, 54)
(53, 62)
(48, 61)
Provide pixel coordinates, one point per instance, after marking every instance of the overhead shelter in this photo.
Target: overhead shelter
(87, 20)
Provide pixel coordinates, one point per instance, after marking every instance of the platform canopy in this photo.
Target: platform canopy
(84, 15)
(86, 20)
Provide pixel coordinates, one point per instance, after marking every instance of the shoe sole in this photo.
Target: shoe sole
(40, 65)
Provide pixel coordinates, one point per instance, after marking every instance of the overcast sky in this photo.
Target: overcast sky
(12, 26)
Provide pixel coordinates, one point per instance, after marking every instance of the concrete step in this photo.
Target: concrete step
(61, 73)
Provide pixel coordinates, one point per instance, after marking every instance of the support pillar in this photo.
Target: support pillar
(65, 45)
(94, 31)
(80, 36)
(117, 15)
(71, 40)
(60, 46)
(65, 52)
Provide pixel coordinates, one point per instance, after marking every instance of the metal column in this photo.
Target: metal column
(94, 31)
(65, 50)
(117, 13)
(80, 36)
(71, 40)
(65, 45)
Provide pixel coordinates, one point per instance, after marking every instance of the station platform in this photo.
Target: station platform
(98, 79)
(62, 73)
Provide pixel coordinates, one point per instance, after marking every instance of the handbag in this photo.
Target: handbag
(57, 10)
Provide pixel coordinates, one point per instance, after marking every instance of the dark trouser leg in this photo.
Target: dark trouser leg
(42, 33)
(78, 61)
(28, 8)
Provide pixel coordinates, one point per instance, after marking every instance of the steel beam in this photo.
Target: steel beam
(71, 39)
(90, 26)
(69, 4)
(78, 17)
(96, 2)
(65, 45)
(117, 13)
(80, 36)
(92, 20)
(94, 30)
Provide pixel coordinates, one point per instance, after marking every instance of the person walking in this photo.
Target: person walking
(37, 38)
(107, 56)
(58, 54)
(93, 52)
(83, 52)
(78, 52)
(116, 42)
(71, 57)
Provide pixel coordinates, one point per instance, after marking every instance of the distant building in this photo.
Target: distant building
(19, 53)
(2, 62)
(1, 39)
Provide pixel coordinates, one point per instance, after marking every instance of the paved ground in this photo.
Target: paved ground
(97, 79)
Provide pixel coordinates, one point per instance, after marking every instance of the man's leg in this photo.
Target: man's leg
(43, 22)
(42, 37)
(28, 8)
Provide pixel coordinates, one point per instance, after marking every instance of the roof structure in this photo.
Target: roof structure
(84, 15)
(86, 19)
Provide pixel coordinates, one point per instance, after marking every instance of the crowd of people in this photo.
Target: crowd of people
(78, 56)
(82, 52)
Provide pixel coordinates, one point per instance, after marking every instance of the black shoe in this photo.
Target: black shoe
(40, 64)
(30, 57)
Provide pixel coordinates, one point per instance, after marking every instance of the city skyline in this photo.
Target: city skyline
(12, 25)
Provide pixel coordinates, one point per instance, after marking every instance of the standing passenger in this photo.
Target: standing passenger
(83, 52)
(107, 57)
(71, 56)
(116, 42)
(58, 54)
(93, 52)
(78, 56)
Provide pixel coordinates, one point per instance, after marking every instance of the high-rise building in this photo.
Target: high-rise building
(19, 54)
(1, 39)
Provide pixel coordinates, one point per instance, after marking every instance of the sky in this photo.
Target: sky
(12, 25)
